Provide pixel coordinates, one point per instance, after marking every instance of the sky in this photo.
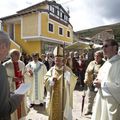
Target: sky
(84, 14)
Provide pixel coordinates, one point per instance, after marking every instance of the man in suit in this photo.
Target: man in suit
(8, 102)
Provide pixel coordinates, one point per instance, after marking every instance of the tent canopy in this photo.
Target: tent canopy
(81, 45)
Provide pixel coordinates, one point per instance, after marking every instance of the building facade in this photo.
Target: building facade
(39, 28)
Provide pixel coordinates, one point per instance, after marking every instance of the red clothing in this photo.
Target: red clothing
(18, 74)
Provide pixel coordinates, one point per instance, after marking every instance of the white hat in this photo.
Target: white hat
(58, 51)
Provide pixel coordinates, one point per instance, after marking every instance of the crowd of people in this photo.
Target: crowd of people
(53, 78)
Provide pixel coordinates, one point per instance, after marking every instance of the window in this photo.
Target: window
(60, 31)
(68, 33)
(56, 11)
(59, 13)
(51, 9)
(66, 18)
(50, 27)
(0, 25)
(11, 31)
(63, 16)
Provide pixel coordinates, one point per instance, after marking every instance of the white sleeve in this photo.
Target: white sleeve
(51, 82)
(67, 76)
(105, 89)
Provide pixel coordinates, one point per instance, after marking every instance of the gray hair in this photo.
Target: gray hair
(100, 52)
(11, 52)
(4, 38)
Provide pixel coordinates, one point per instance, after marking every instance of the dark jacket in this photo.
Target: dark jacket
(8, 103)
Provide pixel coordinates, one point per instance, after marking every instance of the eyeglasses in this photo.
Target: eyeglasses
(105, 46)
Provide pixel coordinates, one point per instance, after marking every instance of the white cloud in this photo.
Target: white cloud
(84, 14)
(12, 6)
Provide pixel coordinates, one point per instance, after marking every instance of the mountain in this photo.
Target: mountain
(93, 31)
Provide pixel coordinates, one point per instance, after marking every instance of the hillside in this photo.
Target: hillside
(93, 31)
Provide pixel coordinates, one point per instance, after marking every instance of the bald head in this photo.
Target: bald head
(4, 45)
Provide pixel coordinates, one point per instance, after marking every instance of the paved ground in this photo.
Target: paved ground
(77, 103)
(39, 113)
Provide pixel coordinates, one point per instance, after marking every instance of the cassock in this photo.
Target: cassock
(54, 100)
(16, 70)
(36, 94)
(107, 104)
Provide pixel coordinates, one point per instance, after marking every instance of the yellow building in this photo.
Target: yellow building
(39, 28)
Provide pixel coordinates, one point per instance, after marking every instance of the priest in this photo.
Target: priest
(60, 83)
(15, 71)
(35, 75)
(107, 104)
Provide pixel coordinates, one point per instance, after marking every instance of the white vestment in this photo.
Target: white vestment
(36, 94)
(11, 74)
(107, 104)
